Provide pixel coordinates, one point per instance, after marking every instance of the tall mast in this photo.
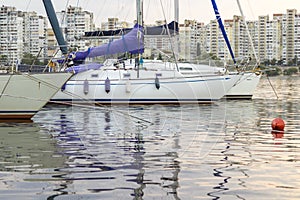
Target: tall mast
(249, 35)
(139, 9)
(176, 11)
(55, 26)
(176, 36)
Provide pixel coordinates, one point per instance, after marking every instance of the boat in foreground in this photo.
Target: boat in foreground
(121, 83)
(24, 94)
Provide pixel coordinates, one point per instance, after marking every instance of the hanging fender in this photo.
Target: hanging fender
(157, 84)
(63, 88)
(107, 85)
(86, 87)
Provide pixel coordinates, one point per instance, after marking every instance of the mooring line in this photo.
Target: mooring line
(272, 87)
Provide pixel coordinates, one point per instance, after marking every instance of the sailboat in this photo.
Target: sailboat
(22, 95)
(247, 84)
(132, 81)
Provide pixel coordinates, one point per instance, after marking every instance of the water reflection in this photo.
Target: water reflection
(277, 134)
(221, 151)
(85, 144)
(25, 148)
(123, 154)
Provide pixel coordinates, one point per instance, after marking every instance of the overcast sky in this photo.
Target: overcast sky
(200, 10)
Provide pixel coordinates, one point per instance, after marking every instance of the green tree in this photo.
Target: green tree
(29, 59)
(295, 60)
(274, 71)
(290, 71)
(273, 61)
(159, 56)
(3, 59)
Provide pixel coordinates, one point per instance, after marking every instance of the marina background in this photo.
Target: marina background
(225, 150)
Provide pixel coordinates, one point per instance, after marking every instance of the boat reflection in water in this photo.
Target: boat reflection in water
(223, 150)
(130, 151)
(28, 159)
(25, 148)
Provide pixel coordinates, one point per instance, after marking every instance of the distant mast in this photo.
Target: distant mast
(176, 11)
(176, 19)
(218, 17)
(139, 9)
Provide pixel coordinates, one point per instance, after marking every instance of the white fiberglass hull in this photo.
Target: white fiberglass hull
(23, 95)
(245, 87)
(126, 88)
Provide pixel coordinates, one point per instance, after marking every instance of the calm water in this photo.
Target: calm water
(221, 151)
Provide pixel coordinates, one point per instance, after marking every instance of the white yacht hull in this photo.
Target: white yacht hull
(126, 88)
(23, 95)
(245, 87)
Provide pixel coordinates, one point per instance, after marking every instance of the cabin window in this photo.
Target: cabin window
(126, 75)
(158, 74)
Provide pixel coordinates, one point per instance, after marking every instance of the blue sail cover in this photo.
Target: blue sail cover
(132, 42)
(84, 67)
(218, 16)
(148, 30)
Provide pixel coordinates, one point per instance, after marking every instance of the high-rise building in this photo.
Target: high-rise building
(11, 35)
(291, 36)
(74, 23)
(21, 32)
(35, 34)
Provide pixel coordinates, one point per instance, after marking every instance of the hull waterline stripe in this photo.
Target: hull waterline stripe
(149, 83)
(134, 100)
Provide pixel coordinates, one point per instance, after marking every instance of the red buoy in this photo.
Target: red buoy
(278, 124)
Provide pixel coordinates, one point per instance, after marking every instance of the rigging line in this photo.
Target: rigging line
(100, 11)
(64, 15)
(39, 80)
(147, 11)
(77, 3)
(251, 10)
(80, 97)
(248, 32)
(171, 43)
(27, 7)
(74, 95)
(24, 97)
(272, 87)
(4, 88)
(108, 108)
(102, 107)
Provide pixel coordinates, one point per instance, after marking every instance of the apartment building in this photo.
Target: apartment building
(35, 34)
(275, 51)
(275, 40)
(191, 40)
(11, 35)
(74, 23)
(113, 24)
(21, 32)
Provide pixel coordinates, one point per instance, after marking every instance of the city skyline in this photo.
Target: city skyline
(189, 9)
